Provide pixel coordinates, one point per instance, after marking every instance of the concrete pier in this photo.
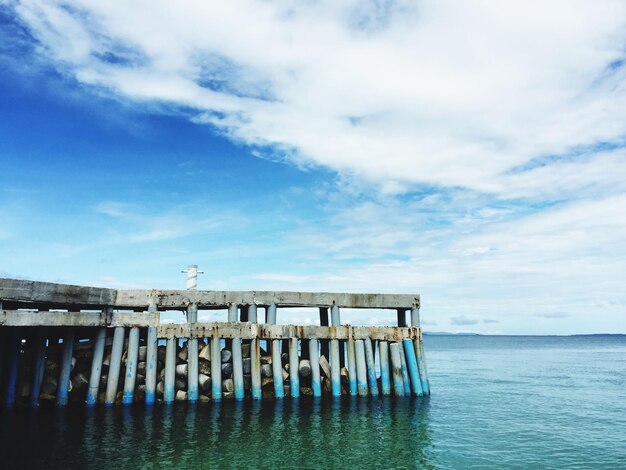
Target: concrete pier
(112, 335)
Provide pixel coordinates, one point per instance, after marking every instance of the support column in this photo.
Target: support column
(63, 387)
(383, 355)
(314, 357)
(294, 367)
(169, 389)
(128, 395)
(151, 357)
(352, 367)
(216, 367)
(361, 368)
(401, 312)
(192, 357)
(335, 363)
(96, 367)
(277, 368)
(371, 370)
(255, 358)
(114, 366)
(419, 351)
(411, 362)
(396, 369)
(39, 365)
(14, 346)
(405, 372)
(237, 356)
(324, 347)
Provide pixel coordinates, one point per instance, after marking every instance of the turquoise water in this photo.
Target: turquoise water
(497, 402)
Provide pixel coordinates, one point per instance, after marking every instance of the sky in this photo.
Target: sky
(472, 152)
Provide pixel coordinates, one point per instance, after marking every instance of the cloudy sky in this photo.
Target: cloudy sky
(470, 151)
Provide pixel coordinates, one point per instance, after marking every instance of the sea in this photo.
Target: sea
(497, 402)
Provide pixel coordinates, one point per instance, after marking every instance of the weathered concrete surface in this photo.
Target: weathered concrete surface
(51, 293)
(31, 318)
(46, 293)
(262, 331)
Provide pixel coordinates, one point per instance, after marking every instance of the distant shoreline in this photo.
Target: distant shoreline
(445, 333)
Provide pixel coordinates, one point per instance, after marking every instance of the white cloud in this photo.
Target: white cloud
(503, 122)
(444, 93)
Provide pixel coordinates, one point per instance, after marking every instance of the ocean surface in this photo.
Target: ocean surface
(497, 402)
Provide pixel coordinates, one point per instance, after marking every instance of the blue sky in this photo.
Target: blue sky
(472, 153)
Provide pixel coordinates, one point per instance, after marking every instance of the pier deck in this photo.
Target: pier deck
(65, 343)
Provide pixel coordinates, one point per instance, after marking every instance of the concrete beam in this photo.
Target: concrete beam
(264, 331)
(46, 293)
(29, 318)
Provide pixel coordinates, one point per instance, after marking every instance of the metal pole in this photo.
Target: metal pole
(371, 370)
(39, 366)
(63, 387)
(128, 395)
(96, 367)
(383, 355)
(396, 369)
(361, 368)
(114, 366)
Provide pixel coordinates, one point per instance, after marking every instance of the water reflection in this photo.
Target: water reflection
(304, 432)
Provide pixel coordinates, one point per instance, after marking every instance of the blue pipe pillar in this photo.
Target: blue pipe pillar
(314, 357)
(255, 358)
(277, 368)
(237, 356)
(405, 372)
(352, 366)
(371, 368)
(39, 366)
(294, 367)
(128, 395)
(335, 363)
(383, 355)
(14, 340)
(169, 390)
(114, 366)
(151, 356)
(192, 357)
(411, 362)
(419, 351)
(63, 386)
(216, 366)
(96, 367)
(361, 368)
(396, 369)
